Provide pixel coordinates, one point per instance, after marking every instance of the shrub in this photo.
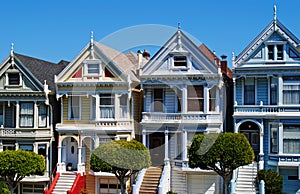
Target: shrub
(273, 181)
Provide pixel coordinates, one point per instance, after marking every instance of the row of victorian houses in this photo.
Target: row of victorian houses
(65, 110)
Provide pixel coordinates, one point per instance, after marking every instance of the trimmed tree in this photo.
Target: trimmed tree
(221, 153)
(273, 181)
(122, 158)
(15, 165)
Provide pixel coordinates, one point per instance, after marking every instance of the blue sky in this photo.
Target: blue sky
(59, 29)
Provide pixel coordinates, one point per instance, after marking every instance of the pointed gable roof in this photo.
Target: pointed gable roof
(180, 43)
(273, 27)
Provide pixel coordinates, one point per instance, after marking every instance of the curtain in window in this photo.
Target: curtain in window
(249, 93)
(107, 106)
(123, 106)
(291, 94)
(75, 107)
(291, 139)
(26, 115)
(42, 115)
(107, 112)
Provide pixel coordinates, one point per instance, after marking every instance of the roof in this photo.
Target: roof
(121, 60)
(41, 69)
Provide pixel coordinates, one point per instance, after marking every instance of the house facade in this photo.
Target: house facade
(95, 92)
(184, 88)
(26, 112)
(266, 79)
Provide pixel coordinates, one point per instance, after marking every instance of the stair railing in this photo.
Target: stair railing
(164, 183)
(136, 187)
(52, 179)
(78, 185)
(234, 180)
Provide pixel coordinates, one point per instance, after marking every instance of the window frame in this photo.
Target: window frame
(41, 114)
(196, 97)
(26, 114)
(112, 105)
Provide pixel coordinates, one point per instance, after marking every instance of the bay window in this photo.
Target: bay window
(107, 106)
(26, 114)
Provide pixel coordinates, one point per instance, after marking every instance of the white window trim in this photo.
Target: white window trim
(172, 62)
(92, 62)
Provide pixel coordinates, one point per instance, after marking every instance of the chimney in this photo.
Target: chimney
(140, 61)
(224, 64)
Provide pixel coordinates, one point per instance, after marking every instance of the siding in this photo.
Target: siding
(90, 183)
(172, 145)
(266, 143)
(178, 180)
(239, 89)
(85, 108)
(262, 90)
(290, 186)
(9, 116)
(65, 109)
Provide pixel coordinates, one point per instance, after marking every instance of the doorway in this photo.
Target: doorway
(157, 148)
(251, 131)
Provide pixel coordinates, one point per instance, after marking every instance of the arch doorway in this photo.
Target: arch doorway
(70, 152)
(251, 131)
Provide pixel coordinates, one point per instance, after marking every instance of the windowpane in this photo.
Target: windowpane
(273, 91)
(1, 113)
(195, 98)
(13, 79)
(249, 94)
(273, 139)
(74, 107)
(158, 100)
(123, 106)
(42, 115)
(291, 90)
(291, 139)
(271, 52)
(107, 106)
(212, 99)
(279, 52)
(26, 114)
(26, 147)
(93, 68)
(180, 61)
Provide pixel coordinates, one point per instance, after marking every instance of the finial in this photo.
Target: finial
(275, 10)
(179, 26)
(92, 45)
(92, 37)
(12, 54)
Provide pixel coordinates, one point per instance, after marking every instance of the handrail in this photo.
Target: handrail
(136, 187)
(164, 183)
(51, 177)
(79, 184)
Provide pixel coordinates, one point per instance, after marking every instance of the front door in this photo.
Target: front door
(251, 131)
(157, 148)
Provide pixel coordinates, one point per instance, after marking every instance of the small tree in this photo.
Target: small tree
(273, 181)
(15, 165)
(221, 153)
(122, 158)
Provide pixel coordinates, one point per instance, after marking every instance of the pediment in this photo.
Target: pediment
(179, 56)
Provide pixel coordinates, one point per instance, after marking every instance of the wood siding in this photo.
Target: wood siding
(239, 89)
(262, 90)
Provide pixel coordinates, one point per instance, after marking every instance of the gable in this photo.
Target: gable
(179, 56)
(14, 76)
(274, 44)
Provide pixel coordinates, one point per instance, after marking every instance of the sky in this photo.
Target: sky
(53, 30)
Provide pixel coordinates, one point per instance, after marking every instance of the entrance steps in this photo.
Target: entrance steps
(64, 183)
(245, 183)
(151, 180)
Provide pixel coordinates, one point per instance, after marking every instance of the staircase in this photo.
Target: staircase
(64, 183)
(151, 180)
(246, 179)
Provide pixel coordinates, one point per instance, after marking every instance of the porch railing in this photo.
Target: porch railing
(24, 132)
(180, 117)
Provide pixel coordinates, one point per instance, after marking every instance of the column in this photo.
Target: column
(166, 144)
(79, 159)
(280, 87)
(144, 137)
(206, 99)
(234, 90)
(35, 115)
(261, 149)
(184, 145)
(280, 138)
(184, 100)
(97, 107)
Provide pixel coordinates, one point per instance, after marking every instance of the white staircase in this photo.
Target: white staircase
(64, 183)
(246, 179)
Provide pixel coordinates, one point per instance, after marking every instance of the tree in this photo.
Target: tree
(15, 165)
(273, 181)
(122, 158)
(221, 153)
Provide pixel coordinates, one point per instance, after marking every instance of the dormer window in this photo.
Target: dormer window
(93, 69)
(275, 52)
(13, 79)
(180, 61)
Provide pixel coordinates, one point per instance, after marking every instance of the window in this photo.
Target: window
(212, 99)
(26, 114)
(93, 69)
(9, 145)
(158, 95)
(107, 106)
(74, 108)
(123, 106)
(291, 90)
(42, 150)
(32, 188)
(249, 91)
(275, 52)
(109, 185)
(14, 79)
(195, 98)
(180, 61)
(291, 139)
(178, 155)
(273, 139)
(42, 115)
(273, 91)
